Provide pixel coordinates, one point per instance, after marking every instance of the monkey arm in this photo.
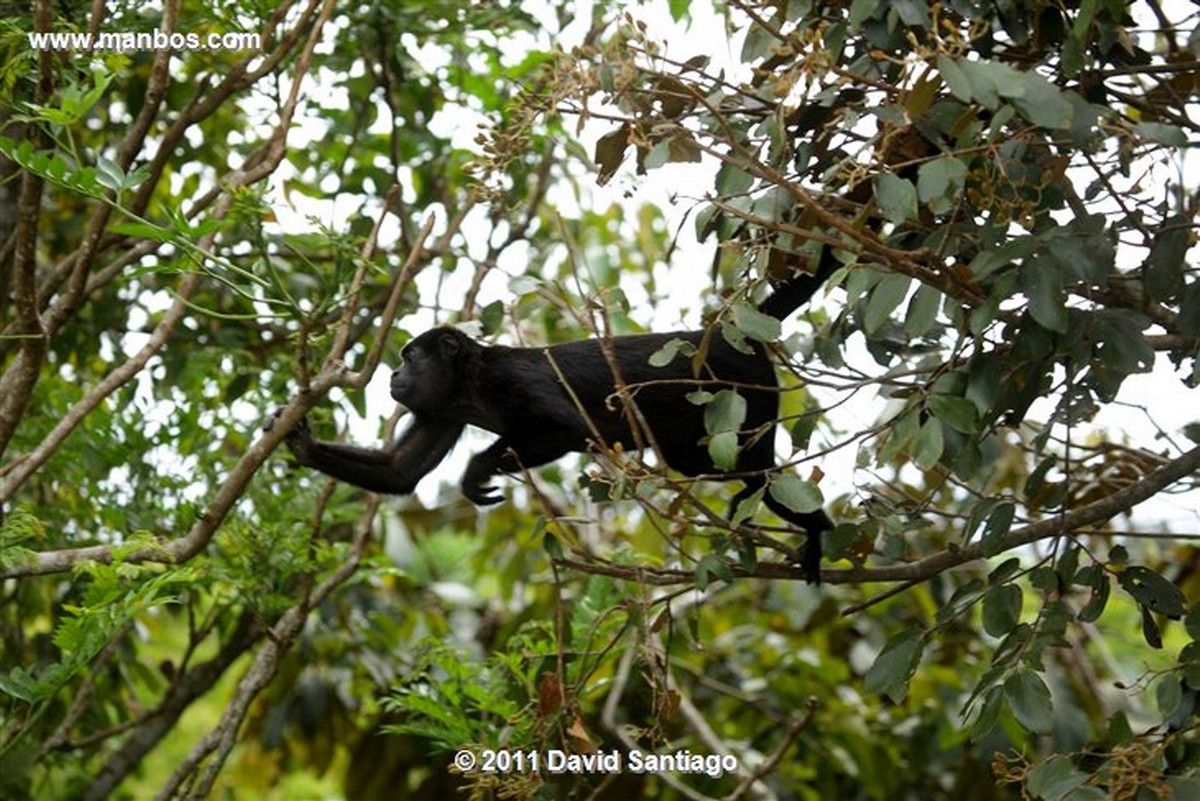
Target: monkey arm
(394, 471)
(510, 455)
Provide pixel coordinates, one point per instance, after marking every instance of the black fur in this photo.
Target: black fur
(448, 380)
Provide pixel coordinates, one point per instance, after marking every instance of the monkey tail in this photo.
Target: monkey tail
(794, 291)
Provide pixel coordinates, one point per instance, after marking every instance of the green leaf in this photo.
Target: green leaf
(1189, 665)
(1076, 46)
(966, 595)
(1016, 249)
(1189, 312)
(1055, 779)
(796, 494)
(758, 42)
(109, 174)
(725, 412)
(1043, 283)
(1068, 565)
(983, 383)
(1152, 591)
(1164, 270)
(682, 147)
(939, 183)
(732, 180)
(1002, 609)
(709, 567)
(21, 685)
(137, 177)
(1037, 478)
(957, 413)
(912, 13)
(237, 387)
(1004, 571)
(1192, 622)
(552, 546)
(1168, 694)
(895, 665)
(927, 449)
(736, 339)
(1161, 133)
(902, 430)
(747, 507)
(993, 702)
(1043, 103)
(755, 324)
(888, 294)
(492, 316)
(1119, 731)
(659, 155)
(1101, 587)
(1180, 787)
(998, 525)
(667, 353)
(709, 221)
(896, 197)
(863, 10)
(1120, 346)
(922, 311)
(801, 431)
(747, 556)
(991, 80)
(678, 8)
(723, 449)
(955, 78)
(1029, 698)
(1083, 250)
(1150, 628)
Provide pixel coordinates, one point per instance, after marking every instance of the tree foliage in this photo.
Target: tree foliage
(192, 238)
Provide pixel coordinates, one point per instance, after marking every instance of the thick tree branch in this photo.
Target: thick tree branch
(1096, 512)
(929, 566)
(19, 379)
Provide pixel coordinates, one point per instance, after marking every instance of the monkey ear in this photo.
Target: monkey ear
(448, 344)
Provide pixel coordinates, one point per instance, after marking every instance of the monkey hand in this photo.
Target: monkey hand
(270, 423)
(299, 440)
(477, 490)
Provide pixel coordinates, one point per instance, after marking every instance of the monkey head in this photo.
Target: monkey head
(433, 371)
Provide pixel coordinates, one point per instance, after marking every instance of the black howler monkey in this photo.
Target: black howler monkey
(448, 381)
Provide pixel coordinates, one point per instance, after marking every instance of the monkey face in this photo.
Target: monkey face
(428, 380)
(403, 389)
(416, 385)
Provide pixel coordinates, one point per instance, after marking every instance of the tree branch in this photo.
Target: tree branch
(929, 566)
